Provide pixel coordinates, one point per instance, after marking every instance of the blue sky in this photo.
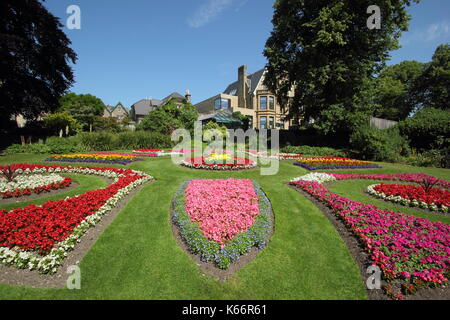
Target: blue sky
(129, 50)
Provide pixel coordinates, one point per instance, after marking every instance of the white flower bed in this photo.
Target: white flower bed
(29, 182)
(50, 263)
(316, 177)
(406, 202)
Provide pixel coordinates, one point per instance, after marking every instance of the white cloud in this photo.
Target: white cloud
(435, 32)
(210, 10)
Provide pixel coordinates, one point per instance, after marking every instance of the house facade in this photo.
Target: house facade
(143, 107)
(117, 112)
(249, 96)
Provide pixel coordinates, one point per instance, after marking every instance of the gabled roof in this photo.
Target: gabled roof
(144, 106)
(253, 78)
(111, 109)
(173, 95)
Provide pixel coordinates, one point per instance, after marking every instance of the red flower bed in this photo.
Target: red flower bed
(28, 191)
(437, 196)
(35, 228)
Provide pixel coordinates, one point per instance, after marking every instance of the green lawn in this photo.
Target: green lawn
(138, 258)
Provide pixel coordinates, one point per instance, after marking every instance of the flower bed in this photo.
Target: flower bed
(219, 162)
(414, 196)
(277, 156)
(39, 237)
(410, 250)
(332, 163)
(156, 153)
(108, 158)
(27, 184)
(222, 219)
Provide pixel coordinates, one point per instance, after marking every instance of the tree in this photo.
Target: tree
(165, 119)
(393, 93)
(83, 107)
(427, 129)
(35, 59)
(324, 51)
(432, 88)
(56, 122)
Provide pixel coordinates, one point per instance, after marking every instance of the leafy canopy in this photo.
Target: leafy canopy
(323, 50)
(35, 57)
(83, 107)
(169, 117)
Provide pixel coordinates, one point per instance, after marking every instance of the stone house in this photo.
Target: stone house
(250, 97)
(118, 112)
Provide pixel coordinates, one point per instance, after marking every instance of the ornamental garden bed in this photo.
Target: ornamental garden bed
(412, 253)
(40, 237)
(219, 161)
(223, 222)
(27, 184)
(277, 156)
(103, 158)
(333, 163)
(434, 199)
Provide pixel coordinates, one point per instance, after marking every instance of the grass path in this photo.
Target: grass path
(138, 258)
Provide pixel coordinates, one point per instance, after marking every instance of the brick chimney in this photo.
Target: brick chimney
(242, 89)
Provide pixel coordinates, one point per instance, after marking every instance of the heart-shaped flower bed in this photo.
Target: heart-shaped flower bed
(222, 219)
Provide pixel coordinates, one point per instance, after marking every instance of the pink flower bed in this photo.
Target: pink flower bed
(407, 248)
(223, 208)
(407, 177)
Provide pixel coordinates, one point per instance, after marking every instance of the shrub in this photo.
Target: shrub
(430, 158)
(428, 129)
(28, 148)
(370, 143)
(314, 151)
(64, 145)
(104, 141)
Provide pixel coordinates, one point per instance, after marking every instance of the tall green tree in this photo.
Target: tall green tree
(165, 119)
(83, 107)
(393, 90)
(432, 88)
(324, 51)
(35, 57)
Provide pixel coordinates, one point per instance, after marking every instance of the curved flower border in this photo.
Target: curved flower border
(258, 235)
(49, 263)
(395, 241)
(64, 182)
(403, 201)
(221, 167)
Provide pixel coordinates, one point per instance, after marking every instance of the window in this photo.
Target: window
(271, 123)
(263, 123)
(271, 103)
(263, 102)
(221, 103)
